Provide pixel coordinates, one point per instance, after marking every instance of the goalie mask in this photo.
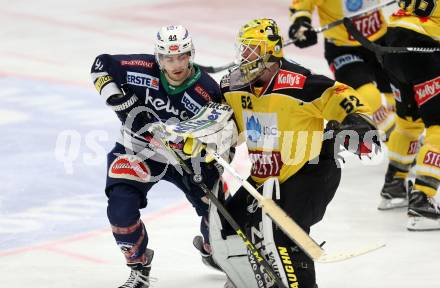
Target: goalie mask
(258, 43)
(173, 40)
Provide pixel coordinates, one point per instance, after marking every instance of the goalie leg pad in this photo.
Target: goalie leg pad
(294, 267)
(229, 252)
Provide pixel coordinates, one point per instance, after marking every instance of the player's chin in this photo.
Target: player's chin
(178, 76)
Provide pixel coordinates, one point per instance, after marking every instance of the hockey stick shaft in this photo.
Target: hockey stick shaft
(381, 50)
(212, 69)
(360, 13)
(279, 216)
(225, 213)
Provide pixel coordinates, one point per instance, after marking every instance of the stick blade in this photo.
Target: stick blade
(347, 255)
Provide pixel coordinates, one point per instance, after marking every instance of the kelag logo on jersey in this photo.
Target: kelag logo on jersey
(190, 104)
(143, 80)
(253, 128)
(261, 129)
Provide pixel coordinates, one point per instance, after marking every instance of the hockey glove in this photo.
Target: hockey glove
(221, 141)
(358, 134)
(193, 147)
(302, 33)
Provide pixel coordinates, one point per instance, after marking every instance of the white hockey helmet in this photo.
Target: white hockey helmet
(173, 40)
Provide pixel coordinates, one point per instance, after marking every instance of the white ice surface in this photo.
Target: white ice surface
(53, 226)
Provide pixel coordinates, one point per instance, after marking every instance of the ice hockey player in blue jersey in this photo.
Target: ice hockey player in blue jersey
(143, 89)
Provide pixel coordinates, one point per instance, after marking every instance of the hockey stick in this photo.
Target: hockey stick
(355, 15)
(228, 217)
(197, 126)
(382, 50)
(290, 227)
(212, 69)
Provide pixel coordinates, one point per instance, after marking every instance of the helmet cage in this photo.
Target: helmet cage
(252, 57)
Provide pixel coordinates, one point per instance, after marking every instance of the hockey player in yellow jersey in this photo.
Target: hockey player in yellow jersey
(416, 83)
(351, 63)
(280, 107)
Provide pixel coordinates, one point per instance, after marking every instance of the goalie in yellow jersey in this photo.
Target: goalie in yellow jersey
(281, 107)
(351, 63)
(416, 81)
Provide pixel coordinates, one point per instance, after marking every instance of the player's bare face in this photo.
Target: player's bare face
(176, 68)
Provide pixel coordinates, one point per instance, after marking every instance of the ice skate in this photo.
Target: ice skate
(140, 274)
(394, 194)
(423, 212)
(206, 255)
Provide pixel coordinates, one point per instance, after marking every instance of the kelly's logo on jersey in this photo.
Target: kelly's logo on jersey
(426, 90)
(261, 129)
(143, 80)
(289, 80)
(190, 104)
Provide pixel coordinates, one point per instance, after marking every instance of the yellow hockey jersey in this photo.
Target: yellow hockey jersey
(420, 16)
(373, 25)
(284, 125)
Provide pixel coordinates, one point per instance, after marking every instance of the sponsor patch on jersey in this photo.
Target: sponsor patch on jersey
(140, 63)
(265, 164)
(261, 129)
(432, 159)
(289, 80)
(396, 93)
(143, 80)
(413, 148)
(129, 167)
(368, 25)
(159, 104)
(202, 92)
(190, 104)
(345, 59)
(426, 90)
(102, 81)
